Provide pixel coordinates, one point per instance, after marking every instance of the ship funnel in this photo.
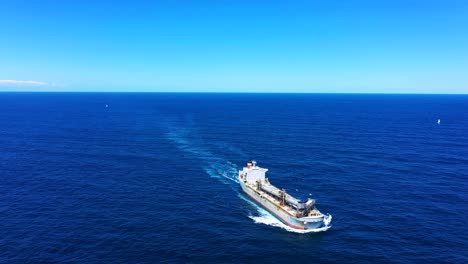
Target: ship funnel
(249, 164)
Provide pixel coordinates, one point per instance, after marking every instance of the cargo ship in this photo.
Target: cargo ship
(292, 212)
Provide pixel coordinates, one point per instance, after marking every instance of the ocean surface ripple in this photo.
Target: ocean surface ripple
(152, 177)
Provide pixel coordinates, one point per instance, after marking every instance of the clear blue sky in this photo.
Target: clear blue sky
(235, 46)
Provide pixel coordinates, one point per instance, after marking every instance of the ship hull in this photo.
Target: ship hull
(282, 215)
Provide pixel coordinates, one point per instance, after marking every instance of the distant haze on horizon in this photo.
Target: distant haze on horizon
(235, 46)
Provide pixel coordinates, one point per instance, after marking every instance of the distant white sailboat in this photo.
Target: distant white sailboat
(438, 121)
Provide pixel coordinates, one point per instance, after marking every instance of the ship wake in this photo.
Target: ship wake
(187, 139)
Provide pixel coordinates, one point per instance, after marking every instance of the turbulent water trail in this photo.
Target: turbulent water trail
(187, 140)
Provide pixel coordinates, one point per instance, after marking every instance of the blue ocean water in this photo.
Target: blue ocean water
(151, 177)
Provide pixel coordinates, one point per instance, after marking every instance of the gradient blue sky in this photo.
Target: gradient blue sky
(235, 46)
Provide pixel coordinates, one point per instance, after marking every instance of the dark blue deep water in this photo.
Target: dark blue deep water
(150, 178)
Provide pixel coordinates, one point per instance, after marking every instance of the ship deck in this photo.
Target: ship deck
(286, 208)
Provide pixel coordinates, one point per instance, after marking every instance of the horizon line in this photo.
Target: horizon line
(243, 92)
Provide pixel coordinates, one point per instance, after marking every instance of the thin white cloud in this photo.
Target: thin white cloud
(23, 83)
